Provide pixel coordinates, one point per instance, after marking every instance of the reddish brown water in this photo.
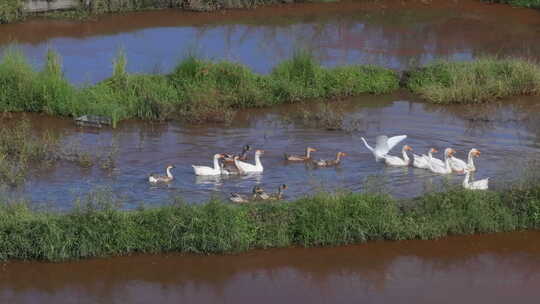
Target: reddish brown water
(502, 268)
(507, 140)
(395, 34)
(490, 269)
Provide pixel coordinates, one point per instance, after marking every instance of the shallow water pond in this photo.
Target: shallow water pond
(506, 134)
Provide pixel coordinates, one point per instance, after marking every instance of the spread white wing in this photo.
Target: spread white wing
(393, 141)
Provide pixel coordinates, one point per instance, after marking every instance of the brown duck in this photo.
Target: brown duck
(306, 157)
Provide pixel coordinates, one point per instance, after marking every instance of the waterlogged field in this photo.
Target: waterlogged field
(447, 74)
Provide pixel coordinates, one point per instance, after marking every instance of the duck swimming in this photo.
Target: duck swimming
(383, 145)
(250, 168)
(396, 161)
(156, 178)
(241, 198)
(206, 171)
(227, 157)
(331, 162)
(482, 184)
(460, 166)
(279, 195)
(435, 168)
(301, 157)
(262, 195)
(422, 161)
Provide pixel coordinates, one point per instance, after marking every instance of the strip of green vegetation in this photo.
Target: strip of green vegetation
(197, 90)
(481, 80)
(98, 228)
(518, 3)
(11, 10)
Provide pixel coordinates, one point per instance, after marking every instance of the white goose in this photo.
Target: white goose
(446, 168)
(422, 161)
(396, 161)
(250, 168)
(156, 178)
(206, 171)
(460, 166)
(475, 185)
(383, 145)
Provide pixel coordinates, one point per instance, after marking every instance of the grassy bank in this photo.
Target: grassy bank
(197, 90)
(518, 3)
(207, 91)
(98, 228)
(12, 10)
(481, 80)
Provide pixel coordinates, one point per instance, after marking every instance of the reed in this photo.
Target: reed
(481, 80)
(98, 227)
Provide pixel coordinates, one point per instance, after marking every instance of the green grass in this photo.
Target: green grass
(481, 80)
(11, 10)
(97, 227)
(197, 90)
(200, 90)
(518, 3)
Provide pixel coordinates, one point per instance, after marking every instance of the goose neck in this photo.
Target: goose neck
(216, 163)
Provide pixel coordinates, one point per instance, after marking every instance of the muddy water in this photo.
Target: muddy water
(394, 34)
(506, 133)
(491, 269)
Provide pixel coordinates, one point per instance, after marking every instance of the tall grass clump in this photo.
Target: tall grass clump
(477, 81)
(211, 89)
(98, 227)
(11, 10)
(302, 77)
(24, 89)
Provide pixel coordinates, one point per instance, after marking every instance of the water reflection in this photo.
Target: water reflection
(476, 267)
(509, 132)
(395, 35)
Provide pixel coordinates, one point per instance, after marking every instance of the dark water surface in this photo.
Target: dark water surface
(507, 134)
(501, 268)
(394, 34)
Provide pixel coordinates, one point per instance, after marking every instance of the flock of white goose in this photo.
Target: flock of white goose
(227, 164)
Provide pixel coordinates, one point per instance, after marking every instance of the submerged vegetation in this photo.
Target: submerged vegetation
(197, 90)
(481, 80)
(19, 150)
(97, 227)
(23, 150)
